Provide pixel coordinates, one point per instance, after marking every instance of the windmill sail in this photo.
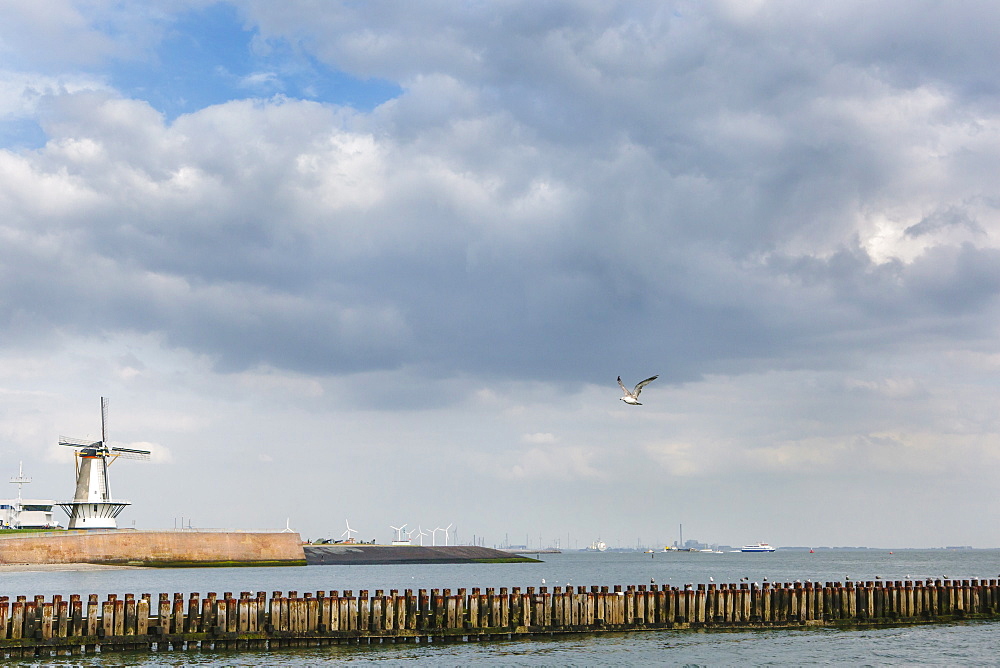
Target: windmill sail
(79, 442)
(130, 453)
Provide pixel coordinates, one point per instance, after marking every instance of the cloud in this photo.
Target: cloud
(57, 34)
(261, 81)
(538, 438)
(376, 222)
(561, 463)
(23, 93)
(943, 220)
(158, 454)
(789, 214)
(678, 459)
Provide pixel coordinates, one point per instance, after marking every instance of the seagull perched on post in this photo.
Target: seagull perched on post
(632, 398)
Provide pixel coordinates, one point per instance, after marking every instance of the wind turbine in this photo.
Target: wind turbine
(348, 532)
(446, 533)
(399, 535)
(434, 535)
(419, 533)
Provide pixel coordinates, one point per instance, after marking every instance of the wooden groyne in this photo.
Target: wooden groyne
(40, 627)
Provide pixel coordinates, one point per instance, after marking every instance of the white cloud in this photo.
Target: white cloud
(261, 81)
(678, 459)
(22, 92)
(158, 454)
(562, 463)
(539, 438)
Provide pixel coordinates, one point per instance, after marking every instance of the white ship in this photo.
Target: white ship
(598, 546)
(757, 547)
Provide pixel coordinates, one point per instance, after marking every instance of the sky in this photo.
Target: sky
(382, 262)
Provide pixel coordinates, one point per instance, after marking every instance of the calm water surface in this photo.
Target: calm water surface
(971, 643)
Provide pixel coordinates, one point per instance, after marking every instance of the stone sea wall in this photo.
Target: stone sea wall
(153, 548)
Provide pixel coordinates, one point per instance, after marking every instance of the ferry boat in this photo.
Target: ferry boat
(757, 547)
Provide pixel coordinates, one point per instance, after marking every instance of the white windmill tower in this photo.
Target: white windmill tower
(92, 506)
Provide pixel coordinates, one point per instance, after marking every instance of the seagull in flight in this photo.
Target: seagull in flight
(632, 398)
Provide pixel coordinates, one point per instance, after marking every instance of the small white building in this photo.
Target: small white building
(21, 513)
(35, 514)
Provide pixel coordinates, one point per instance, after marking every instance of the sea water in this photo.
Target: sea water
(962, 643)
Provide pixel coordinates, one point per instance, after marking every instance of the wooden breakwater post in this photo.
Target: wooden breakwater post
(253, 620)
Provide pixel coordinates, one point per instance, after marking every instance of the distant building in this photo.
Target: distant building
(21, 513)
(35, 514)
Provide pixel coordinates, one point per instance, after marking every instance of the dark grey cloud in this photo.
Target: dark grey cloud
(942, 220)
(693, 182)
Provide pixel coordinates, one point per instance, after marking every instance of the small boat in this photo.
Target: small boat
(757, 547)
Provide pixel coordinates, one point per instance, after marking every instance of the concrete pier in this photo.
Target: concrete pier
(39, 627)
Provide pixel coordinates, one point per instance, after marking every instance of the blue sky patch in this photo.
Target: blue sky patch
(207, 57)
(21, 133)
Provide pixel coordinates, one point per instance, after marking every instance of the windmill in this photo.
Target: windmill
(348, 533)
(92, 506)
